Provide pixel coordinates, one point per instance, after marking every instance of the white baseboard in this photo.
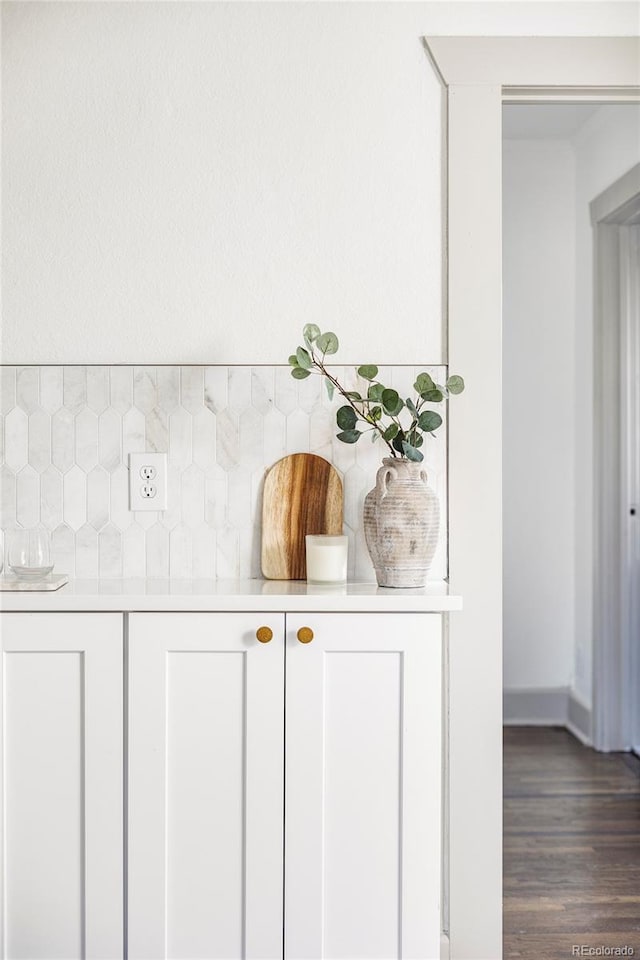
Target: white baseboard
(444, 947)
(548, 707)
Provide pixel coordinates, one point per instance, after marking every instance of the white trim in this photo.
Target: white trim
(612, 637)
(579, 718)
(475, 72)
(541, 706)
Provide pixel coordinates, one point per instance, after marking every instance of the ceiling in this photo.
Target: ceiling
(545, 121)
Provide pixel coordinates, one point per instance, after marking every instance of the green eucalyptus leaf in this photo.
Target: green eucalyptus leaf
(433, 396)
(346, 418)
(310, 332)
(327, 343)
(375, 392)
(369, 371)
(423, 383)
(411, 453)
(411, 407)
(455, 384)
(429, 421)
(330, 388)
(303, 358)
(374, 436)
(293, 360)
(349, 436)
(391, 402)
(352, 395)
(391, 431)
(375, 413)
(397, 441)
(299, 373)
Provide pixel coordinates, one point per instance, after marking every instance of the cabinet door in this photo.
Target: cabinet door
(62, 791)
(363, 787)
(206, 715)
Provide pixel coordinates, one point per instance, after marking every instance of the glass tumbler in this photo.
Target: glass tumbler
(30, 554)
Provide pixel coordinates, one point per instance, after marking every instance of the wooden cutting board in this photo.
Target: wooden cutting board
(302, 494)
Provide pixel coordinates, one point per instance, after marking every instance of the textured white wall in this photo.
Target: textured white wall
(194, 181)
(606, 147)
(538, 384)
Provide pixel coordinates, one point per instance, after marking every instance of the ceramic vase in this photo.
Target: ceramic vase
(401, 524)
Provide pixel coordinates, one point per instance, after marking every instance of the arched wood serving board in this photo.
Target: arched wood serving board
(302, 494)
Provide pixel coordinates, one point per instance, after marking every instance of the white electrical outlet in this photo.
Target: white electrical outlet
(147, 481)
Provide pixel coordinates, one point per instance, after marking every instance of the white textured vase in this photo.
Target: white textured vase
(401, 524)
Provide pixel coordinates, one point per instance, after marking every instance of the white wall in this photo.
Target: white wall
(548, 395)
(606, 147)
(193, 181)
(538, 390)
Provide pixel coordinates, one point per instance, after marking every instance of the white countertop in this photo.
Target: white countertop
(232, 595)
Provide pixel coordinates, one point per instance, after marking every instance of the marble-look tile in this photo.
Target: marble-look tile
(75, 388)
(39, 440)
(216, 388)
(86, 439)
(27, 497)
(63, 447)
(204, 439)
(51, 388)
(310, 392)
(145, 388)
(87, 551)
(98, 389)
(355, 488)
(286, 390)
(239, 498)
(262, 389)
(239, 388)
(193, 496)
(16, 439)
(157, 545)
(109, 552)
(227, 553)
(98, 498)
(7, 389)
(27, 388)
(133, 433)
(120, 388)
(180, 552)
(63, 550)
(110, 439)
(134, 557)
(172, 516)
(156, 425)
(216, 486)
(180, 429)
(7, 498)
(297, 435)
(168, 385)
(51, 505)
(75, 498)
(204, 553)
(322, 426)
(192, 388)
(119, 513)
(275, 436)
(227, 439)
(251, 439)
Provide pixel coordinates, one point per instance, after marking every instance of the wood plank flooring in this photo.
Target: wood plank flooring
(571, 846)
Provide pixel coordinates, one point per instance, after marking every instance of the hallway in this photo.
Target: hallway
(571, 846)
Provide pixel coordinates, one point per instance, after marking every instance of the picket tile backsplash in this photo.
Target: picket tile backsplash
(68, 431)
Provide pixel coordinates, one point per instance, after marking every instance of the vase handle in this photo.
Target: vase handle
(382, 480)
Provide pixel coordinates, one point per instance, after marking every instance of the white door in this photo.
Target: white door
(206, 728)
(363, 787)
(62, 796)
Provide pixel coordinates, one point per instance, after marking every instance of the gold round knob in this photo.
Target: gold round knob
(305, 634)
(264, 634)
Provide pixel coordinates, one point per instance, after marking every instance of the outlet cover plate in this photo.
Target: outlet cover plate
(138, 500)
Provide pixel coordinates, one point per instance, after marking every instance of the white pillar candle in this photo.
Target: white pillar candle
(326, 558)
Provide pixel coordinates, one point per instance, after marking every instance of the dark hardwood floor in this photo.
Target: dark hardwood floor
(571, 846)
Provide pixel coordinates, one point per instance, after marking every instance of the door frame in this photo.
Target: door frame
(615, 664)
(478, 75)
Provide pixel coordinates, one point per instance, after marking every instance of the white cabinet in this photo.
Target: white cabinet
(363, 787)
(206, 756)
(62, 814)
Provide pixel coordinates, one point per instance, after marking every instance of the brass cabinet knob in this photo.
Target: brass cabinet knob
(264, 634)
(305, 634)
